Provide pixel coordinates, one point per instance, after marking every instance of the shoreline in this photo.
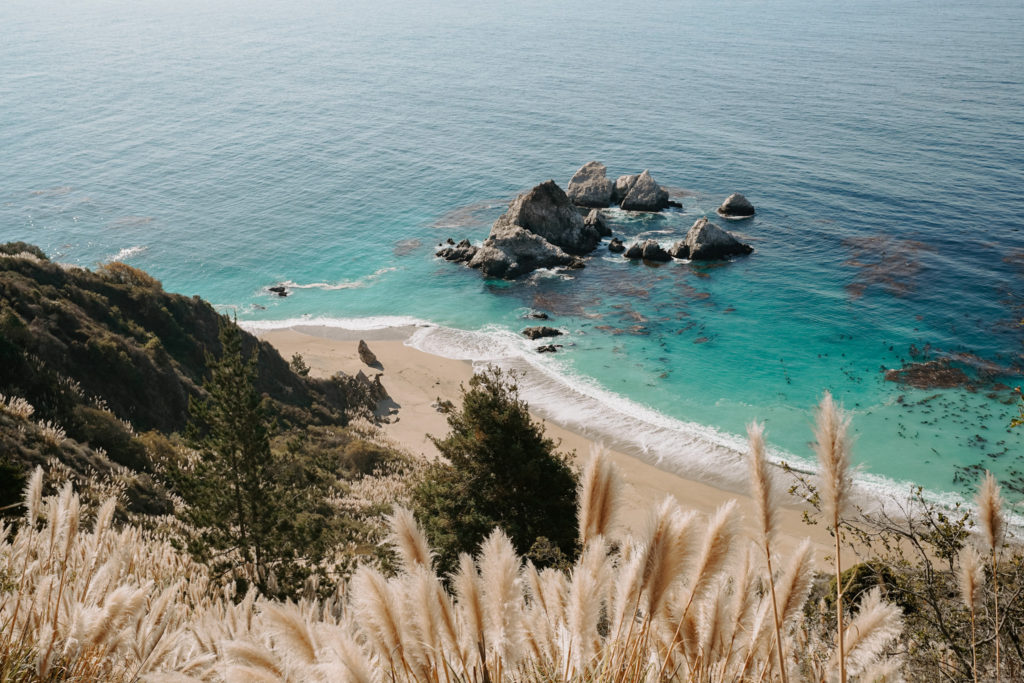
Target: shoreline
(416, 379)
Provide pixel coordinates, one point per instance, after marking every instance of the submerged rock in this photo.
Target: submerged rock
(548, 348)
(616, 246)
(541, 332)
(933, 374)
(595, 219)
(735, 206)
(705, 241)
(589, 186)
(645, 195)
(280, 290)
(463, 252)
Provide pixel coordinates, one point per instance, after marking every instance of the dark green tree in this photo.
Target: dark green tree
(502, 471)
(235, 499)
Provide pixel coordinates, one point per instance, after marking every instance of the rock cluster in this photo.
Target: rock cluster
(648, 250)
(705, 241)
(589, 187)
(540, 229)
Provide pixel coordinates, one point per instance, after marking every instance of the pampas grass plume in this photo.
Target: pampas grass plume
(598, 496)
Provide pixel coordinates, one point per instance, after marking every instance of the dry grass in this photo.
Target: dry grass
(690, 599)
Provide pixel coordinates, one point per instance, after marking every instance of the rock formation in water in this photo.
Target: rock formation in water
(622, 186)
(645, 195)
(616, 246)
(463, 252)
(541, 332)
(541, 229)
(590, 187)
(648, 250)
(735, 206)
(705, 241)
(595, 219)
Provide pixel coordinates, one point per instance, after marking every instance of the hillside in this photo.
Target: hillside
(106, 356)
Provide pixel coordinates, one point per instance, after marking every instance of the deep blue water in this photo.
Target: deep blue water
(229, 146)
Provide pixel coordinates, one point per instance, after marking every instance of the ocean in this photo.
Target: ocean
(227, 146)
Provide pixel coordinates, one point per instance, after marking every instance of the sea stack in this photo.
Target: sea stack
(735, 206)
(540, 229)
(589, 187)
(645, 195)
(705, 241)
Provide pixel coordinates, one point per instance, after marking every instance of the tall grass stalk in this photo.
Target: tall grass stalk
(833, 448)
(993, 525)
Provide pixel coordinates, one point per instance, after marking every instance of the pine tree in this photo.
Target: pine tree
(232, 490)
(504, 471)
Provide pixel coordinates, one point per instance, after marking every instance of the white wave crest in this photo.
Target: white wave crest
(344, 284)
(127, 252)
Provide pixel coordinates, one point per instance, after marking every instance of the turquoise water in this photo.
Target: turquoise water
(229, 146)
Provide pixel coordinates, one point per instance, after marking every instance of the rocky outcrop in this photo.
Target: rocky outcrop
(589, 187)
(546, 211)
(616, 246)
(541, 332)
(645, 195)
(540, 229)
(595, 219)
(463, 252)
(512, 250)
(280, 290)
(366, 355)
(648, 250)
(735, 206)
(622, 186)
(705, 241)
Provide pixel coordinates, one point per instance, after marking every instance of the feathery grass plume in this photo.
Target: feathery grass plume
(466, 583)
(876, 625)
(380, 617)
(351, 656)
(501, 597)
(971, 577)
(714, 556)
(409, 539)
(766, 501)
(253, 658)
(993, 525)
(587, 589)
(669, 549)
(762, 484)
(990, 511)
(716, 550)
(791, 591)
(598, 496)
(290, 627)
(833, 447)
(34, 497)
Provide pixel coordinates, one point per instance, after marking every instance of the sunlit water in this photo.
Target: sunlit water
(229, 146)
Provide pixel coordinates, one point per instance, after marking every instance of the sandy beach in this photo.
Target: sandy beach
(416, 380)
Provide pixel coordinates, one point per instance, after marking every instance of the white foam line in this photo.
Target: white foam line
(344, 284)
(691, 450)
(126, 253)
(372, 323)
